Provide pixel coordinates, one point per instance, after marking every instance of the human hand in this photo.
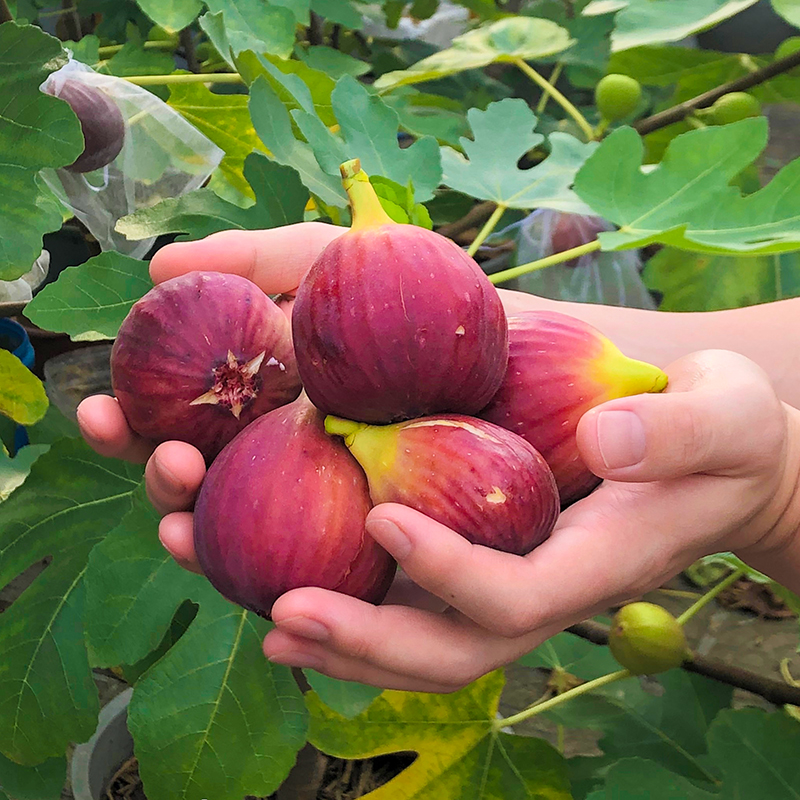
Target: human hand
(713, 465)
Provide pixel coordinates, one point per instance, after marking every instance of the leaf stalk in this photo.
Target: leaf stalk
(709, 596)
(487, 228)
(542, 263)
(158, 80)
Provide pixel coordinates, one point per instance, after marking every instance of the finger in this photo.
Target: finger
(106, 431)
(719, 415)
(275, 259)
(176, 534)
(463, 575)
(173, 476)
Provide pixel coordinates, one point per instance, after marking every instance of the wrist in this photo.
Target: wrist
(777, 552)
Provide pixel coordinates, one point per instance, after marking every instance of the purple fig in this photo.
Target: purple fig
(201, 356)
(484, 482)
(558, 368)
(395, 321)
(101, 122)
(284, 506)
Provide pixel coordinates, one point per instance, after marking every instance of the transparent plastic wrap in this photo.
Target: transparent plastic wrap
(161, 155)
(609, 278)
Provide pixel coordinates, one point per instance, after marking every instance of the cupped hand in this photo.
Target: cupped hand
(710, 465)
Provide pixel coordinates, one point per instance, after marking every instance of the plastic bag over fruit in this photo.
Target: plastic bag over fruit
(162, 155)
(611, 278)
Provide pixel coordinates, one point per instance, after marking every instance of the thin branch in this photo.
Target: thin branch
(71, 20)
(5, 12)
(678, 112)
(186, 40)
(772, 690)
(477, 215)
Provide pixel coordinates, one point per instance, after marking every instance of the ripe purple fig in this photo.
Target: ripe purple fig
(558, 368)
(101, 122)
(482, 481)
(201, 356)
(284, 506)
(395, 321)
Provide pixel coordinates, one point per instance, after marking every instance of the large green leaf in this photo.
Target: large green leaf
(13, 471)
(280, 200)
(637, 778)
(342, 12)
(22, 394)
(460, 752)
(425, 114)
(36, 131)
(274, 126)
(224, 118)
(504, 40)
(254, 25)
(41, 782)
(705, 282)
(213, 718)
(369, 132)
(332, 62)
(757, 754)
(91, 300)
(69, 501)
(571, 654)
(502, 134)
(172, 15)
(133, 588)
(688, 200)
(641, 22)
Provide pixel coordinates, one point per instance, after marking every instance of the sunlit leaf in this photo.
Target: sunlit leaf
(253, 25)
(172, 15)
(504, 40)
(22, 395)
(501, 136)
(460, 751)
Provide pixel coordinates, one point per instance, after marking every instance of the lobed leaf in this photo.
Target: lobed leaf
(252, 25)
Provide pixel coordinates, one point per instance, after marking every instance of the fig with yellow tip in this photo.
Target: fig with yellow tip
(647, 639)
(484, 482)
(558, 368)
(395, 321)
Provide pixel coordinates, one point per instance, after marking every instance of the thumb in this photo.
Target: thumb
(718, 415)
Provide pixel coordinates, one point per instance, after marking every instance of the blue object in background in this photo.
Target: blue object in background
(14, 338)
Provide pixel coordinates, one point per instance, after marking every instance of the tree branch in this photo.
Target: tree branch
(5, 12)
(186, 40)
(775, 691)
(678, 112)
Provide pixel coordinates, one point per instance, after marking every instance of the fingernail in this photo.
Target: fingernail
(621, 438)
(293, 658)
(83, 424)
(305, 627)
(390, 536)
(169, 480)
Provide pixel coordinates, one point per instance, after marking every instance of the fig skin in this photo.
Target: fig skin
(101, 122)
(484, 482)
(559, 368)
(647, 639)
(395, 321)
(284, 506)
(181, 363)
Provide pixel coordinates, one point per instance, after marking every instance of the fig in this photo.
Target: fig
(394, 321)
(284, 506)
(616, 96)
(199, 357)
(101, 122)
(558, 368)
(484, 482)
(731, 107)
(572, 230)
(646, 639)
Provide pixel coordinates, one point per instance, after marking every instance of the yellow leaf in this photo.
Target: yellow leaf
(22, 395)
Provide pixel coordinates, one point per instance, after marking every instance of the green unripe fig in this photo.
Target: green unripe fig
(733, 107)
(646, 639)
(787, 47)
(616, 96)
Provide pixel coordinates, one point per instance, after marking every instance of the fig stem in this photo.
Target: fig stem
(710, 595)
(557, 96)
(157, 80)
(346, 428)
(538, 708)
(552, 80)
(542, 263)
(487, 228)
(367, 209)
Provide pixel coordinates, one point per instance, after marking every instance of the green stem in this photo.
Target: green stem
(157, 80)
(538, 708)
(554, 76)
(533, 266)
(557, 96)
(709, 596)
(161, 44)
(487, 228)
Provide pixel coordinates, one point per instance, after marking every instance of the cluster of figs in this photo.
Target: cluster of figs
(399, 379)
